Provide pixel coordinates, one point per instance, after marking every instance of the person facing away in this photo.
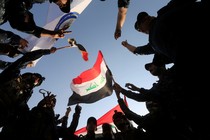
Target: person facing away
(107, 132)
(91, 127)
(67, 133)
(127, 130)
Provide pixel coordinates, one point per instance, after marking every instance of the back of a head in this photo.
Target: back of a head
(106, 127)
(117, 115)
(92, 120)
(121, 121)
(91, 124)
(107, 131)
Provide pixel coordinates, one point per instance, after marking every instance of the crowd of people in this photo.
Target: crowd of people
(175, 36)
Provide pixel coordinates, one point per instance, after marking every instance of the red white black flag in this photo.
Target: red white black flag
(92, 84)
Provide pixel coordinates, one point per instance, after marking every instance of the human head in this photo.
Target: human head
(64, 5)
(48, 101)
(91, 124)
(142, 23)
(153, 69)
(107, 130)
(121, 121)
(22, 21)
(35, 79)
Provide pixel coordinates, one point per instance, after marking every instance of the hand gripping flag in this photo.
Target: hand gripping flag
(72, 43)
(93, 84)
(83, 51)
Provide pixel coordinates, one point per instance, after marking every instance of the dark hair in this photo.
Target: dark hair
(140, 19)
(29, 75)
(117, 115)
(106, 126)
(147, 66)
(92, 119)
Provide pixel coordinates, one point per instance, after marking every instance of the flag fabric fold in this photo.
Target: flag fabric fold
(92, 84)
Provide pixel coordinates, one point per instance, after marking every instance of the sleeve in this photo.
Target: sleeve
(146, 95)
(144, 50)
(123, 3)
(9, 37)
(4, 64)
(17, 21)
(130, 114)
(74, 123)
(19, 63)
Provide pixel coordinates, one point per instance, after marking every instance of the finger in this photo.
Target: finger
(67, 32)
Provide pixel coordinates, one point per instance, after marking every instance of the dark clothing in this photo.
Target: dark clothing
(158, 59)
(156, 123)
(41, 125)
(3, 14)
(180, 34)
(128, 113)
(165, 36)
(174, 4)
(88, 136)
(9, 43)
(9, 50)
(14, 69)
(67, 133)
(144, 50)
(18, 12)
(131, 134)
(14, 90)
(9, 37)
(4, 64)
(123, 3)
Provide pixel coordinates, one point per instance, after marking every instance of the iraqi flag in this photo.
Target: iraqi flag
(106, 118)
(92, 84)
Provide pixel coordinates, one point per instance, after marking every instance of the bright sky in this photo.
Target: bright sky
(94, 29)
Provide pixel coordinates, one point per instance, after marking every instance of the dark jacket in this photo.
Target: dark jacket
(17, 12)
